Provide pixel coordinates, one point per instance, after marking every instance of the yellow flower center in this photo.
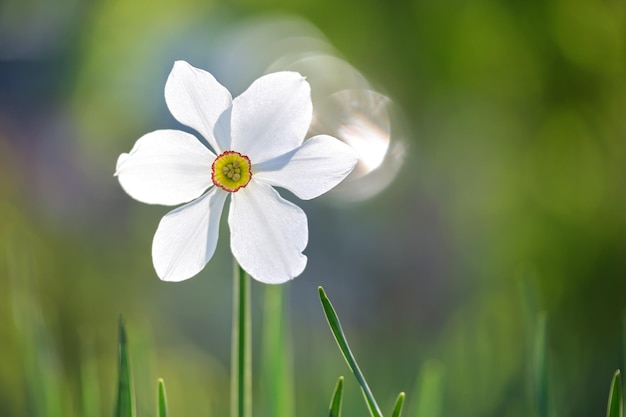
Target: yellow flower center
(231, 171)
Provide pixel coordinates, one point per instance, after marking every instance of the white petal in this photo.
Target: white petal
(187, 236)
(268, 234)
(272, 116)
(197, 100)
(166, 167)
(318, 165)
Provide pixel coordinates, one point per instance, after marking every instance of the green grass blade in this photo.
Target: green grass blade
(397, 408)
(161, 399)
(429, 390)
(125, 392)
(624, 340)
(89, 380)
(615, 406)
(335, 327)
(45, 388)
(337, 400)
(276, 360)
(540, 371)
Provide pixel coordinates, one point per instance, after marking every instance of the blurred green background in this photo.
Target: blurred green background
(510, 200)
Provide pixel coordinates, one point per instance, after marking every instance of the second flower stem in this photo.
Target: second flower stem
(241, 353)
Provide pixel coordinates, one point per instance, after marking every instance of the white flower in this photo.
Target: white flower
(258, 143)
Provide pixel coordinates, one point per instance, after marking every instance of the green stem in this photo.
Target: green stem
(241, 353)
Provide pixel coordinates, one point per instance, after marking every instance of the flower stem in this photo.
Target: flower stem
(241, 353)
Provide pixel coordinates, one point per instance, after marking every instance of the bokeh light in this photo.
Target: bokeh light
(489, 193)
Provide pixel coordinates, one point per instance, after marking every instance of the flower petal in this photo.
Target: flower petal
(187, 236)
(272, 116)
(196, 99)
(166, 167)
(318, 165)
(268, 234)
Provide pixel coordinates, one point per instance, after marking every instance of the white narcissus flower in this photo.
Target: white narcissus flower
(258, 143)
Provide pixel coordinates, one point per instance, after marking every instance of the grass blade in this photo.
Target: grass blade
(624, 339)
(397, 408)
(276, 360)
(429, 390)
(540, 372)
(125, 392)
(161, 399)
(89, 380)
(337, 400)
(615, 407)
(45, 388)
(335, 327)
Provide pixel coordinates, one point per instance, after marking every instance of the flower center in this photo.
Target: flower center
(231, 171)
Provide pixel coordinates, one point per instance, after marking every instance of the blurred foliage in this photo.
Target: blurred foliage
(513, 116)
